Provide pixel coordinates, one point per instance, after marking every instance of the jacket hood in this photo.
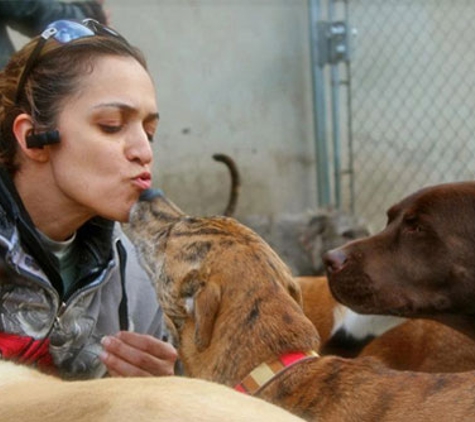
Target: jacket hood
(95, 236)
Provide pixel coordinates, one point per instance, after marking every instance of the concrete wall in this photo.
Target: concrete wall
(232, 76)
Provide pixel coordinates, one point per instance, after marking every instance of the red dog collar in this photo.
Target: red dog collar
(266, 372)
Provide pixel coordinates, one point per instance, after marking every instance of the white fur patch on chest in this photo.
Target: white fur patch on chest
(361, 326)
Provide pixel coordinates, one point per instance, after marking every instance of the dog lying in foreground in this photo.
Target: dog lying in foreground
(400, 343)
(236, 313)
(28, 395)
(421, 265)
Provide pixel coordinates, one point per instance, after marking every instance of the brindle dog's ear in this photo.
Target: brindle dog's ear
(203, 299)
(295, 291)
(207, 303)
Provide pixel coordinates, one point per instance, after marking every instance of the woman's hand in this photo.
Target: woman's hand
(129, 354)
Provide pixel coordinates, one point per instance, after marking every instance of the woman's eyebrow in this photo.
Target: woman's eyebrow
(127, 109)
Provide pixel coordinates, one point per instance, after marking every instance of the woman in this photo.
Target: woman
(77, 115)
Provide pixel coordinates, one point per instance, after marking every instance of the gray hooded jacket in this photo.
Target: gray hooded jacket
(61, 331)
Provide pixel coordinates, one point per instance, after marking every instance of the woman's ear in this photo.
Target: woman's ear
(22, 127)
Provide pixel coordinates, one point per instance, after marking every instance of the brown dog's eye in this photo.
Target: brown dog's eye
(412, 223)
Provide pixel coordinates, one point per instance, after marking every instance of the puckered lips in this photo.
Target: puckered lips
(143, 180)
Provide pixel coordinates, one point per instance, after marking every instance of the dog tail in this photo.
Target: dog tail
(235, 183)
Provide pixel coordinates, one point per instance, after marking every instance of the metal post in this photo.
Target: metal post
(335, 107)
(351, 167)
(323, 179)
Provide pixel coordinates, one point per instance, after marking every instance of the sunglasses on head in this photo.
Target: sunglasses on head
(63, 31)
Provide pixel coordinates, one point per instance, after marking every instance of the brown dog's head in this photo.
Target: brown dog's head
(421, 264)
(222, 287)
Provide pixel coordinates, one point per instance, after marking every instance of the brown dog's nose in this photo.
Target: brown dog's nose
(334, 260)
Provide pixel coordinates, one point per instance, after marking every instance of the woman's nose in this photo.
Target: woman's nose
(139, 147)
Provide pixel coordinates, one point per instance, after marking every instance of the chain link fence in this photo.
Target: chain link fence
(412, 108)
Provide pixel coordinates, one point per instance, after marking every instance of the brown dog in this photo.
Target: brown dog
(27, 395)
(235, 309)
(421, 265)
(415, 344)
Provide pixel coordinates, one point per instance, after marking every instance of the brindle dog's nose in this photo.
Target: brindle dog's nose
(334, 260)
(149, 194)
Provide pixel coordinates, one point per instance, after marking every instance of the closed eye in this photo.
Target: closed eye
(111, 128)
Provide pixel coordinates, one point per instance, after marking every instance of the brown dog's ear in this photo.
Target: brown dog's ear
(207, 303)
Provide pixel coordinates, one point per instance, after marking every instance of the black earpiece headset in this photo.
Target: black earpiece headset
(39, 140)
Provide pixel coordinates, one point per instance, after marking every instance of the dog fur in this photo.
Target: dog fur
(421, 265)
(28, 395)
(234, 304)
(399, 343)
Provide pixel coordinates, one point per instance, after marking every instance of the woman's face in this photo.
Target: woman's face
(104, 159)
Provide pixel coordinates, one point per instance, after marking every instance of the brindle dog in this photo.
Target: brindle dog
(236, 312)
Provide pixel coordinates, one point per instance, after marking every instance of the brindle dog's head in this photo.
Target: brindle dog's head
(225, 291)
(421, 264)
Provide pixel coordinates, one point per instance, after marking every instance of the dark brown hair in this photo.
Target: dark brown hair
(55, 77)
